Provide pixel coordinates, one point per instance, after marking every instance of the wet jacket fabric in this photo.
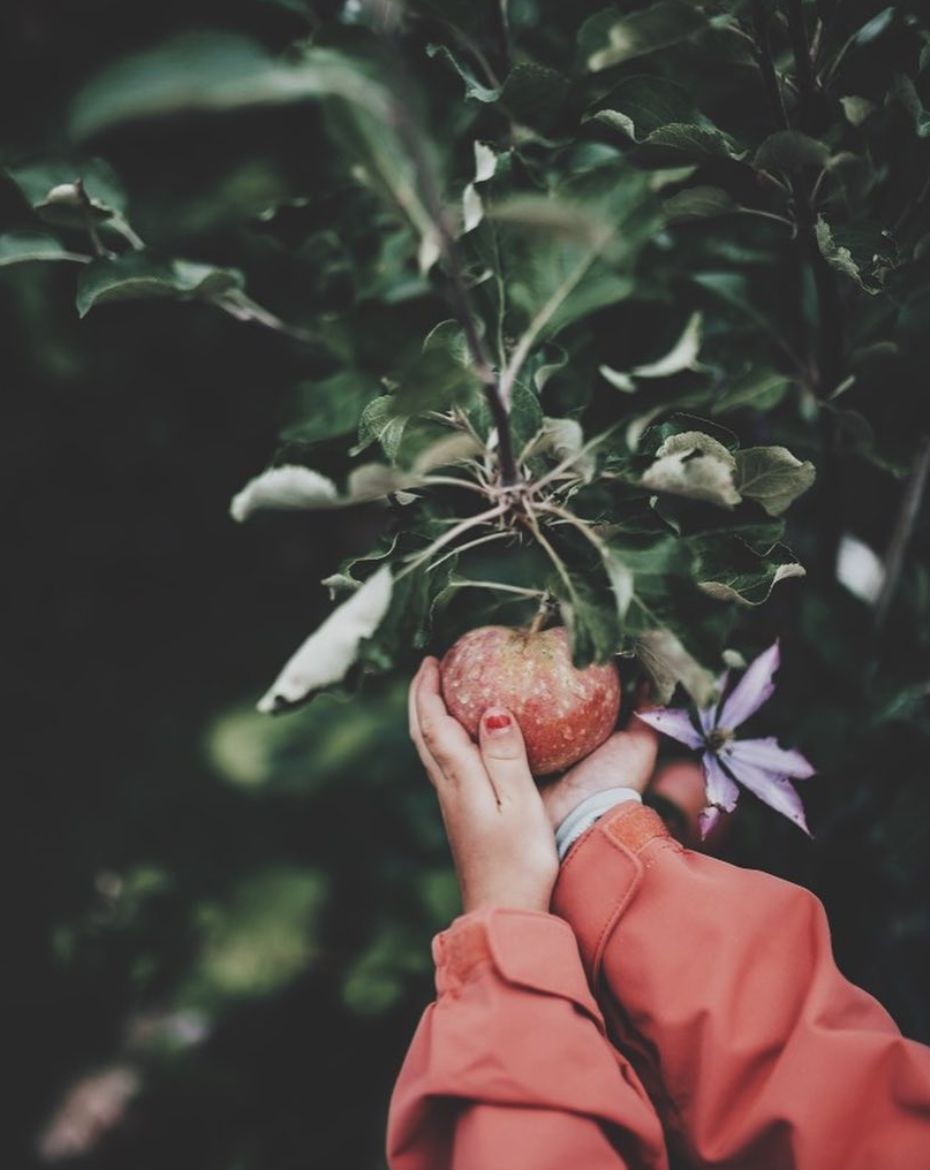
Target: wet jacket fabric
(669, 1002)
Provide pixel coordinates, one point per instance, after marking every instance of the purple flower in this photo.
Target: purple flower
(758, 764)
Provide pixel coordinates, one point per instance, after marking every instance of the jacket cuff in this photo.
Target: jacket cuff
(524, 948)
(600, 876)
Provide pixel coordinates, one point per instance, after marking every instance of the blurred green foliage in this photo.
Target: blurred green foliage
(239, 909)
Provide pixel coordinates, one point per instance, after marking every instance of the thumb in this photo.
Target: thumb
(504, 753)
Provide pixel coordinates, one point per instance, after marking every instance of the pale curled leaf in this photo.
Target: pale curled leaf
(565, 438)
(857, 109)
(618, 379)
(859, 569)
(772, 476)
(751, 592)
(682, 356)
(446, 452)
(339, 583)
(668, 663)
(622, 581)
(694, 465)
(326, 656)
(288, 488)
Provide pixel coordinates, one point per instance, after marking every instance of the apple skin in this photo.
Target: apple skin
(564, 713)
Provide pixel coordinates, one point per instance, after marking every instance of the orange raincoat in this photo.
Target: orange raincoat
(722, 1029)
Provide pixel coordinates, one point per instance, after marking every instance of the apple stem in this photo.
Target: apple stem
(539, 618)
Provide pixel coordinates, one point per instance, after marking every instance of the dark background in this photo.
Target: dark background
(161, 833)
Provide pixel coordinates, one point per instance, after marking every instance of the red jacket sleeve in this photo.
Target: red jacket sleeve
(720, 985)
(510, 1068)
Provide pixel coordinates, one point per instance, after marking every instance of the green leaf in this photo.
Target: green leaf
(760, 389)
(646, 31)
(904, 89)
(474, 89)
(589, 617)
(699, 203)
(440, 376)
(864, 252)
(790, 150)
(773, 477)
(49, 189)
(137, 276)
(643, 103)
(330, 407)
(383, 423)
(694, 465)
(736, 291)
(729, 569)
(23, 246)
(697, 142)
(534, 95)
(406, 624)
(526, 416)
(216, 72)
(566, 256)
(857, 109)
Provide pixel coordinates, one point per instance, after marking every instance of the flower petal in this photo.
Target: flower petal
(707, 819)
(675, 722)
(708, 715)
(721, 790)
(751, 691)
(776, 791)
(765, 753)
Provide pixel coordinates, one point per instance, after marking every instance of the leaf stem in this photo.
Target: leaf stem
(465, 547)
(466, 583)
(87, 214)
(462, 527)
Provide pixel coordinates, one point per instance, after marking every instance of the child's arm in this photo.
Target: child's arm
(509, 1068)
(720, 985)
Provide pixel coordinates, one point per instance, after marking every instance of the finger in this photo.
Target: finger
(444, 737)
(504, 754)
(642, 745)
(433, 771)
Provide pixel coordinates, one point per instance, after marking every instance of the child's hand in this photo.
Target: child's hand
(501, 838)
(625, 760)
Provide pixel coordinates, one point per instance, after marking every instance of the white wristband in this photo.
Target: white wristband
(583, 815)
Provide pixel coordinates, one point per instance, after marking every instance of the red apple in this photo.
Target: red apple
(564, 713)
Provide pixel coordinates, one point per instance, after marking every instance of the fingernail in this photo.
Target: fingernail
(496, 722)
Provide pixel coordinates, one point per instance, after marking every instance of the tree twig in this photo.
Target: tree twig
(766, 65)
(903, 530)
(804, 66)
(409, 134)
